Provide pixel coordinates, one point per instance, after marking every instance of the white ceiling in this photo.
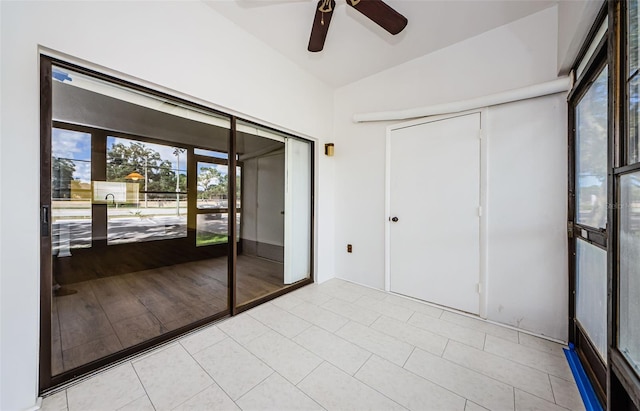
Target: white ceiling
(355, 46)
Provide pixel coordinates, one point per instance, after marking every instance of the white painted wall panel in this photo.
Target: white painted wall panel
(527, 215)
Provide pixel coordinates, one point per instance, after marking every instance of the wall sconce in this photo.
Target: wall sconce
(328, 149)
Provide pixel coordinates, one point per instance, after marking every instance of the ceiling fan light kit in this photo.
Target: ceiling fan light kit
(376, 10)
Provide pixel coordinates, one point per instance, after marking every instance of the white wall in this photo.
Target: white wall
(516, 55)
(575, 19)
(264, 188)
(519, 54)
(182, 46)
(527, 215)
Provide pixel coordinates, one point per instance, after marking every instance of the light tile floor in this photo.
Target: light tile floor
(338, 346)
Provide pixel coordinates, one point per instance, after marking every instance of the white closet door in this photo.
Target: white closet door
(435, 196)
(297, 221)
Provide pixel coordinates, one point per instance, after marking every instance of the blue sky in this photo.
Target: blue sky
(76, 146)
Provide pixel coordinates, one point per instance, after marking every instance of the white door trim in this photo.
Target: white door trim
(484, 179)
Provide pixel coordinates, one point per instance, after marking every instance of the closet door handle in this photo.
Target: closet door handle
(394, 219)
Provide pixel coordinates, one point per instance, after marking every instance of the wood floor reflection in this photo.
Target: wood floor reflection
(109, 314)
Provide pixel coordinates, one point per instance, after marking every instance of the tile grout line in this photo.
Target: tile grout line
(433, 382)
(362, 365)
(478, 373)
(412, 373)
(142, 384)
(536, 352)
(274, 330)
(505, 383)
(374, 389)
(409, 356)
(211, 376)
(200, 392)
(254, 387)
(447, 336)
(552, 390)
(304, 393)
(446, 344)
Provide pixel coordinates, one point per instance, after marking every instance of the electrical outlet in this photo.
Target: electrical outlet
(349, 248)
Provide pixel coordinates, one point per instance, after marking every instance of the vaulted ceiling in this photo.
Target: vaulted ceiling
(355, 46)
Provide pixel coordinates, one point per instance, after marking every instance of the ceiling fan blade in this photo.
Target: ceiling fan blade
(381, 14)
(321, 22)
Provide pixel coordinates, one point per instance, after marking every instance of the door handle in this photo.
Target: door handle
(44, 221)
(394, 219)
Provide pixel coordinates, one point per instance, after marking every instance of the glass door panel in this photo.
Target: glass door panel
(591, 155)
(588, 228)
(127, 268)
(629, 252)
(591, 294)
(297, 206)
(275, 230)
(260, 260)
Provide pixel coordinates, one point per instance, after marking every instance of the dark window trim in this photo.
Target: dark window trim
(46, 272)
(623, 381)
(591, 35)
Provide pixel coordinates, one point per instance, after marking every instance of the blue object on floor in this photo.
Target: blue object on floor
(587, 393)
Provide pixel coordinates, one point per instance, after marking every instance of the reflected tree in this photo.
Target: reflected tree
(123, 159)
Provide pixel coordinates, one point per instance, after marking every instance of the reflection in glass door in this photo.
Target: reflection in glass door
(274, 246)
(132, 264)
(164, 218)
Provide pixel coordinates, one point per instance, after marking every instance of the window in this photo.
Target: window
(591, 154)
(145, 192)
(212, 200)
(629, 204)
(629, 343)
(70, 190)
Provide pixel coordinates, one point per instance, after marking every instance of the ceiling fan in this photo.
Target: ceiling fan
(376, 10)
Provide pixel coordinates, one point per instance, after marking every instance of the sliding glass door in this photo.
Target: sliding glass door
(158, 216)
(275, 225)
(128, 265)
